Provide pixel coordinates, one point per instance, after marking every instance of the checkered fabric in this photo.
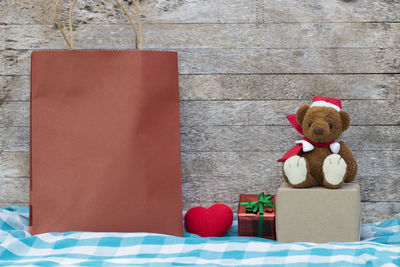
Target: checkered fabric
(380, 245)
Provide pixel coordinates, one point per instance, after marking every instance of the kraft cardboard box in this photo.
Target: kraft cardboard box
(318, 214)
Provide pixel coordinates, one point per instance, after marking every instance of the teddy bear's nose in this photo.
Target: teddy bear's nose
(318, 130)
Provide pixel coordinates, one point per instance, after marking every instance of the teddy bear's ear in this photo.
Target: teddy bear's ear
(301, 112)
(345, 120)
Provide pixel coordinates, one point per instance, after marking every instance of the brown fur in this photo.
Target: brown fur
(321, 117)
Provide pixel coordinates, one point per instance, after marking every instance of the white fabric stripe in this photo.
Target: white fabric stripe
(226, 262)
(324, 104)
(49, 237)
(389, 265)
(393, 228)
(19, 248)
(265, 260)
(12, 220)
(52, 259)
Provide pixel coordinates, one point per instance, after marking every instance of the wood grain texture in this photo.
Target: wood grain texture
(7, 204)
(234, 172)
(277, 138)
(256, 87)
(220, 177)
(217, 11)
(244, 65)
(256, 112)
(14, 88)
(270, 112)
(242, 138)
(236, 61)
(374, 163)
(14, 190)
(289, 87)
(259, 166)
(370, 211)
(180, 36)
(379, 211)
(14, 139)
(14, 164)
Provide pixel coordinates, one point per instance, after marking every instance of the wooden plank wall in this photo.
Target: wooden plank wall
(243, 66)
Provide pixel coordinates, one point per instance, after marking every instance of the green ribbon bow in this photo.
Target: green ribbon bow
(258, 207)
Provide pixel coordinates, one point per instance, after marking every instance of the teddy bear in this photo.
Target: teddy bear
(318, 159)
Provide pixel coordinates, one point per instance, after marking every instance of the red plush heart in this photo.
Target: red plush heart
(214, 221)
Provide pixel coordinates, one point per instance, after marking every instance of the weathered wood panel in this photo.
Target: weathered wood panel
(6, 204)
(268, 112)
(256, 87)
(256, 61)
(372, 163)
(14, 190)
(203, 189)
(231, 173)
(221, 176)
(244, 65)
(14, 88)
(14, 164)
(217, 11)
(335, 60)
(14, 114)
(180, 36)
(211, 189)
(291, 87)
(242, 138)
(379, 211)
(206, 190)
(374, 112)
(274, 138)
(14, 139)
(263, 164)
(370, 211)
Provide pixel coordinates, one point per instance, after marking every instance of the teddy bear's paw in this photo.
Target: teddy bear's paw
(334, 168)
(295, 169)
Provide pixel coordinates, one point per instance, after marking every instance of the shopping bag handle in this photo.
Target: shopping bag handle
(70, 42)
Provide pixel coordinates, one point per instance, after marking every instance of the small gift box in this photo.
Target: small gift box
(256, 216)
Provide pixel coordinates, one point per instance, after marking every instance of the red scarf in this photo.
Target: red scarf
(297, 148)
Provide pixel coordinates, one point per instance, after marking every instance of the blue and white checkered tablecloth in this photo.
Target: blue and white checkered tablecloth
(380, 246)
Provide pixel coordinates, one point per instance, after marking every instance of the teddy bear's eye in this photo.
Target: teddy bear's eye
(330, 125)
(309, 125)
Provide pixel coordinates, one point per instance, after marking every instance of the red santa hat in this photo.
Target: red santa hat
(320, 101)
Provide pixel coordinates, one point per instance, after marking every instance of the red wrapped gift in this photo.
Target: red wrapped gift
(256, 216)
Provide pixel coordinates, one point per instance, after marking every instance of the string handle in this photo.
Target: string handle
(70, 42)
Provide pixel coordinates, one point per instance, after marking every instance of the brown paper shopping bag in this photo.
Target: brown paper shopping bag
(105, 144)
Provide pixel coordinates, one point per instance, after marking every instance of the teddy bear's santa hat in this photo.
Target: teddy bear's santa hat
(320, 101)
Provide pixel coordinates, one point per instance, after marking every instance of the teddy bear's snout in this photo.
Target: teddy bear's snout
(318, 130)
